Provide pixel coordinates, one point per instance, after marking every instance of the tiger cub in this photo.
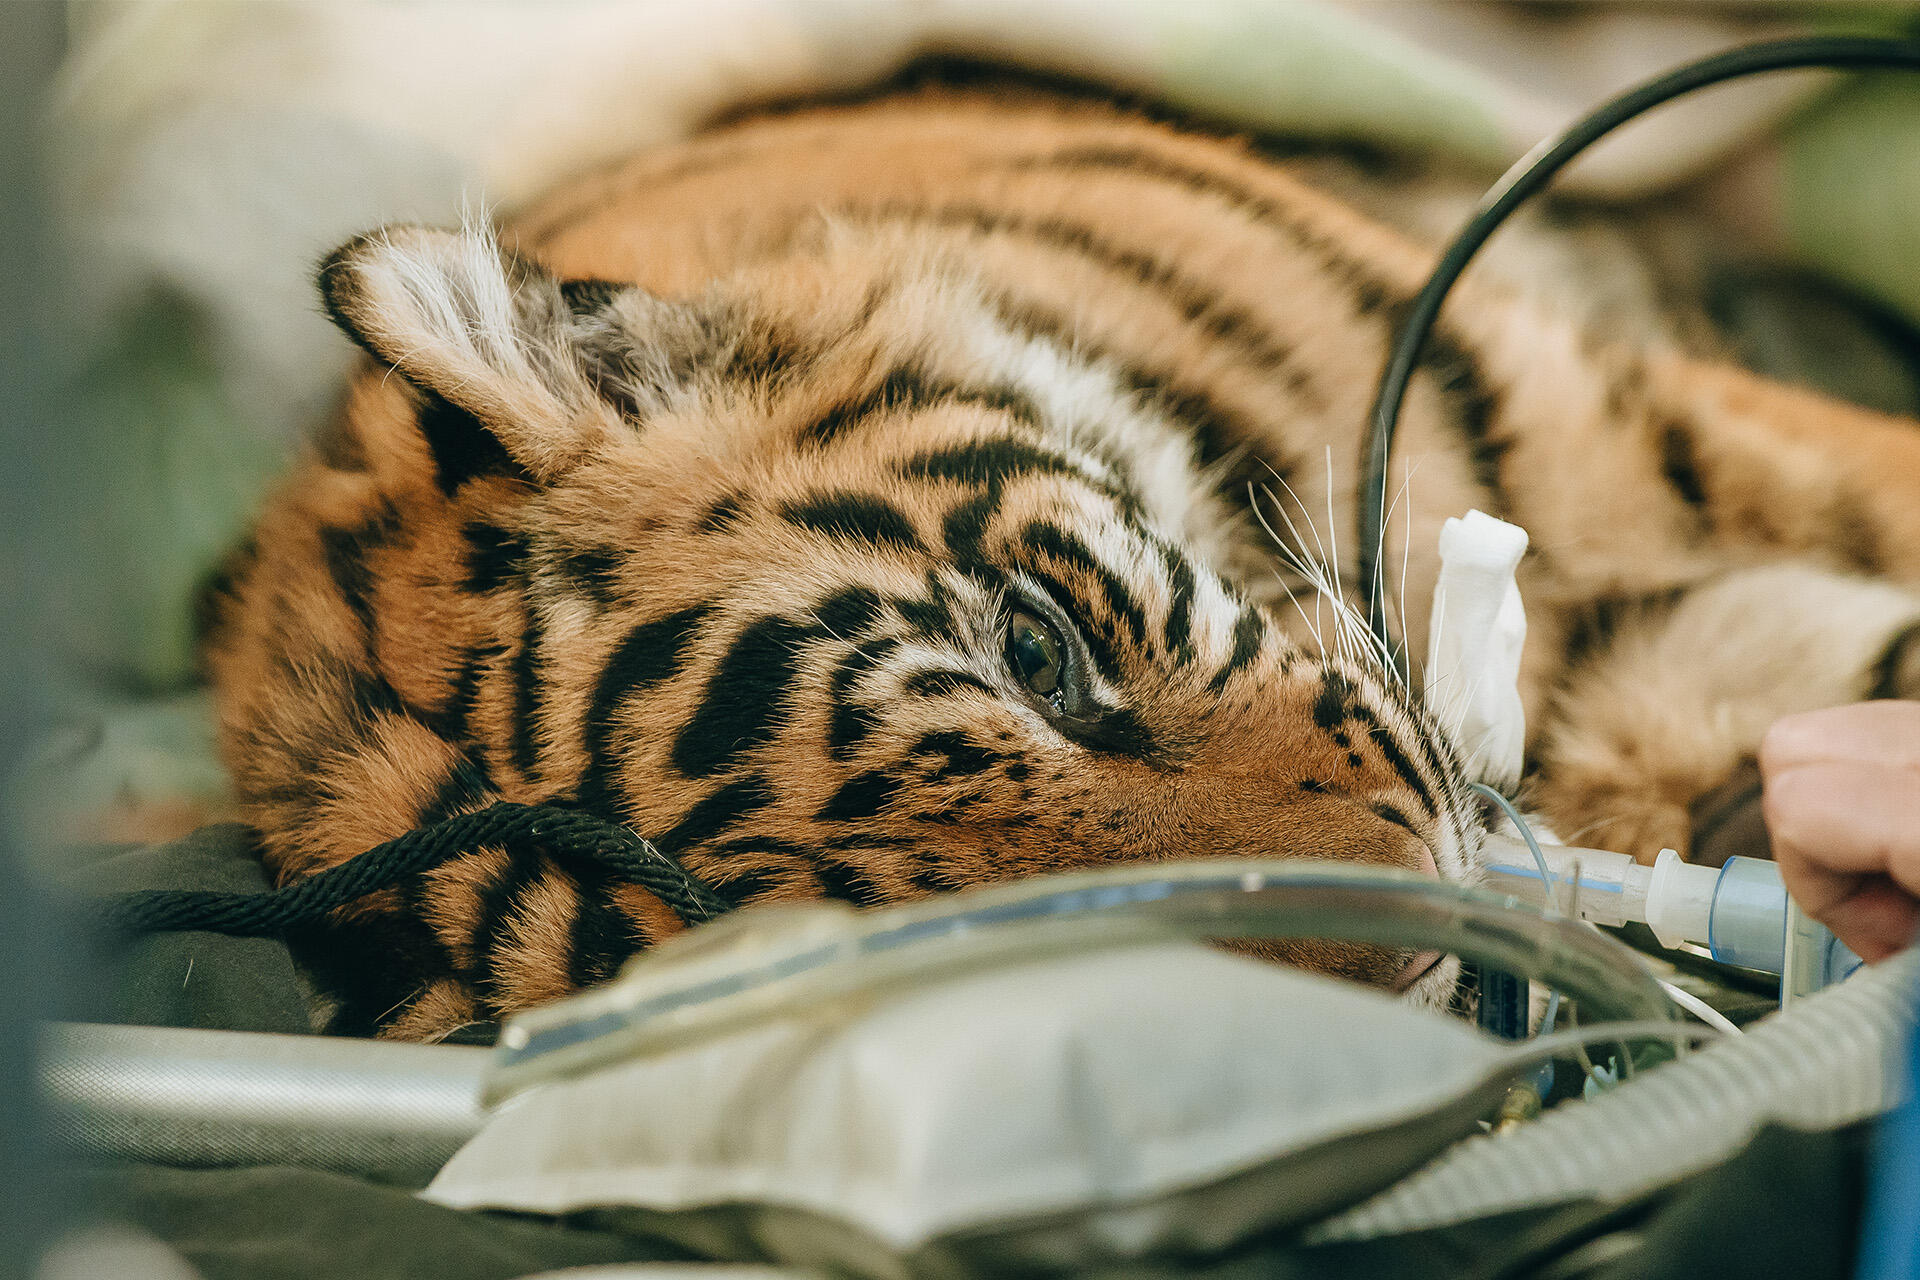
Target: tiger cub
(868, 502)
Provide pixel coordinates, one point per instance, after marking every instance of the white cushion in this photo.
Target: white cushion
(1158, 1098)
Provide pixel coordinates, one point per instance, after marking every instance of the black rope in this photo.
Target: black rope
(1533, 172)
(567, 835)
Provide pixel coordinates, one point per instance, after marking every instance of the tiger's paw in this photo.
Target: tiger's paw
(1639, 821)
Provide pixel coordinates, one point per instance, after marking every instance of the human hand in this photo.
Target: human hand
(1841, 797)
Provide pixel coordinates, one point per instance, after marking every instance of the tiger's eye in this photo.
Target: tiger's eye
(1034, 652)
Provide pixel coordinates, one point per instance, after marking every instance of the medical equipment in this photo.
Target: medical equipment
(1739, 912)
(771, 959)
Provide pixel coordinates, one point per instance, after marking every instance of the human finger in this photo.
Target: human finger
(1880, 732)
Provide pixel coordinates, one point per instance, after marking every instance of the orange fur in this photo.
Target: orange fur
(678, 542)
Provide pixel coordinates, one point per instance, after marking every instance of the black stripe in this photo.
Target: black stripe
(346, 564)
(993, 460)
(464, 791)
(1219, 433)
(602, 936)
(1389, 747)
(746, 697)
(1591, 627)
(1118, 731)
(451, 720)
(931, 880)
(1476, 406)
(861, 797)
(719, 810)
(1335, 256)
(850, 722)
(963, 756)
(1444, 356)
(934, 684)
(723, 514)
(526, 742)
(345, 552)
(587, 296)
(735, 848)
(846, 613)
(845, 883)
(931, 616)
(1680, 464)
(494, 556)
(648, 655)
(596, 572)
(1422, 785)
(765, 353)
(909, 389)
(1330, 708)
(856, 517)
(867, 840)
(1249, 631)
(462, 446)
(1178, 635)
(354, 699)
(1197, 302)
(1381, 809)
(496, 902)
(744, 887)
(964, 527)
(369, 692)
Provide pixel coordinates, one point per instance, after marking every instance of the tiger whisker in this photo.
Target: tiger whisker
(1406, 552)
(1315, 631)
(1288, 558)
(1352, 636)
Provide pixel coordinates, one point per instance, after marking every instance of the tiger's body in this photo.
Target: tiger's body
(857, 503)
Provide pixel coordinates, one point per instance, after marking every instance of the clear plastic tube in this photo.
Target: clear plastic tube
(1739, 911)
(768, 960)
(1605, 888)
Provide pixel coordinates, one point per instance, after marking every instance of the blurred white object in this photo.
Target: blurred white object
(112, 1250)
(1077, 1108)
(1474, 641)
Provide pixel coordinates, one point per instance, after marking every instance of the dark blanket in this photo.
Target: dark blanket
(196, 979)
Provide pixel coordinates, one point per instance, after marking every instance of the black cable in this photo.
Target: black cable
(568, 835)
(1524, 179)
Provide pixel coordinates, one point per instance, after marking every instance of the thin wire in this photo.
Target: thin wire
(1701, 1009)
(1578, 1047)
(1677, 1032)
(1526, 833)
(1527, 177)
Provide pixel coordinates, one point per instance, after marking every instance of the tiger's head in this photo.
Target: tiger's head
(830, 582)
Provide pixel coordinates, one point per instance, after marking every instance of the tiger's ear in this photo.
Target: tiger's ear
(487, 332)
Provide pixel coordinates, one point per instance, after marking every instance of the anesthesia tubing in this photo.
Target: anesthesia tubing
(750, 964)
(1740, 911)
